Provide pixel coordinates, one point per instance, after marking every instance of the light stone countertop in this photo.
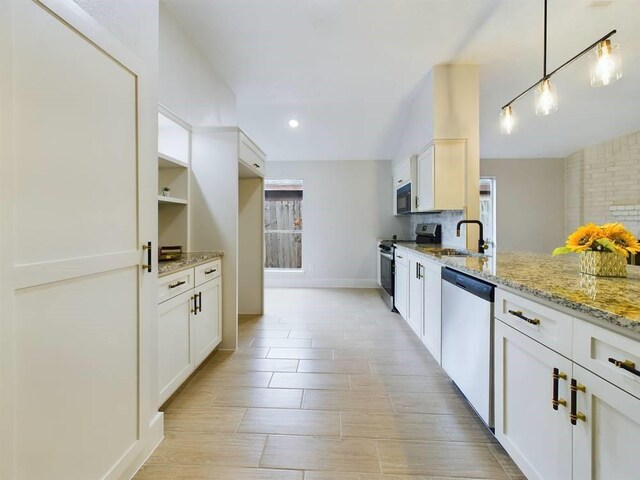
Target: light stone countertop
(555, 279)
(187, 260)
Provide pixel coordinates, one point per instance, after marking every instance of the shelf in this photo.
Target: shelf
(165, 161)
(174, 200)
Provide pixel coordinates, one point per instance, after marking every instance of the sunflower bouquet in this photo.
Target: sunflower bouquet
(610, 237)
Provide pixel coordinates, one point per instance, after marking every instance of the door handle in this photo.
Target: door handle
(200, 301)
(627, 365)
(177, 284)
(256, 165)
(194, 310)
(147, 266)
(518, 313)
(210, 271)
(575, 414)
(555, 401)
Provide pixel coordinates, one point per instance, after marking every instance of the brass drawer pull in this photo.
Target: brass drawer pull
(211, 271)
(575, 414)
(518, 313)
(177, 284)
(627, 365)
(555, 401)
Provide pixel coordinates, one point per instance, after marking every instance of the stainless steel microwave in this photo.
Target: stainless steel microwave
(403, 199)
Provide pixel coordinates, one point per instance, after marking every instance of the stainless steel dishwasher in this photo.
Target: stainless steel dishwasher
(467, 338)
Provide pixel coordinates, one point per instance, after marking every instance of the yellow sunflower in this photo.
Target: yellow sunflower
(582, 239)
(624, 241)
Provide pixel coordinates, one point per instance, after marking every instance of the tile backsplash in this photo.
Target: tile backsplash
(448, 219)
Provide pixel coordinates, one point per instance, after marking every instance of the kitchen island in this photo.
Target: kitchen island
(564, 353)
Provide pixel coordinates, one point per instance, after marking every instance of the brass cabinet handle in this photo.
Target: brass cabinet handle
(555, 401)
(575, 414)
(518, 313)
(627, 365)
(256, 165)
(211, 271)
(147, 266)
(177, 284)
(194, 310)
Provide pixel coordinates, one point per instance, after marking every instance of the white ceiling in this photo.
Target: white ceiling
(347, 69)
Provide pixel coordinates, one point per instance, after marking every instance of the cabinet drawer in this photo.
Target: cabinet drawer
(402, 257)
(593, 346)
(175, 284)
(208, 271)
(250, 154)
(546, 325)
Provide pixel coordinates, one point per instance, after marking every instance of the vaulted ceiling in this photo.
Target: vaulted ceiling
(347, 69)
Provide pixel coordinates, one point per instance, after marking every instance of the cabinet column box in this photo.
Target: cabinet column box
(189, 323)
(439, 176)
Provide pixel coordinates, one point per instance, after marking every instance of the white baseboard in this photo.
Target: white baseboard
(272, 281)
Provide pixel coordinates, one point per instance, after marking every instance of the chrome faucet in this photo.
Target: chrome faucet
(481, 243)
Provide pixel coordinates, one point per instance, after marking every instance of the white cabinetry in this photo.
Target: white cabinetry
(416, 293)
(431, 330)
(418, 297)
(250, 156)
(537, 436)
(557, 419)
(189, 323)
(401, 290)
(401, 176)
(440, 176)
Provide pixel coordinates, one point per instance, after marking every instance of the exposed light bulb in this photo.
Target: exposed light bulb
(546, 98)
(293, 123)
(605, 63)
(507, 121)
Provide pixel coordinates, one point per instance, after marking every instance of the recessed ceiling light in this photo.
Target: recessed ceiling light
(293, 123)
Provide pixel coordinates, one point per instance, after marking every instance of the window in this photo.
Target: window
(488, 211)
(283, 224)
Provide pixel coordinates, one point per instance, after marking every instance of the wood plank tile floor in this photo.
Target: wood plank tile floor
(327, 385)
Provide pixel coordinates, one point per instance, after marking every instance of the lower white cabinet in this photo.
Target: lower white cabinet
(557, 419)
(175, 358)
(401, 289)
(605, 441)
(431, 330)
(189, 326)
(206, 324)
(416, 292)
(537, 436)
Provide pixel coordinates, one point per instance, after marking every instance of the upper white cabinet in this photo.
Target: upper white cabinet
(440, 176)
(250, 156)
(402, 174)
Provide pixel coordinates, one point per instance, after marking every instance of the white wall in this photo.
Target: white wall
(189, 85)
(346, 206)
(529, 202)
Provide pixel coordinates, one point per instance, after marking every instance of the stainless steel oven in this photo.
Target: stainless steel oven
(387, 272)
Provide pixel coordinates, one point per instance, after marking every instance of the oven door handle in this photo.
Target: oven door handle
(386, 255)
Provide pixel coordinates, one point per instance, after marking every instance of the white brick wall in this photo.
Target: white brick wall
(602, 184)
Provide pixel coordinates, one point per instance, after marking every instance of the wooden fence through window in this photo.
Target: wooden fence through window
(283, 233)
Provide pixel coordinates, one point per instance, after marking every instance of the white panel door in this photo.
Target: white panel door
(535, 435)
(207, 323)
(416, 291)
(401, 289)
(76, 253)
(175, 352)
(605, 443)
(431, 336)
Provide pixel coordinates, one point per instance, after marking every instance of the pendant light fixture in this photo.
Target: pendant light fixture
(605, 68)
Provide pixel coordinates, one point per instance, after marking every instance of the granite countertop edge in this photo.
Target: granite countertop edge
(583, 310)
(190, 260)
